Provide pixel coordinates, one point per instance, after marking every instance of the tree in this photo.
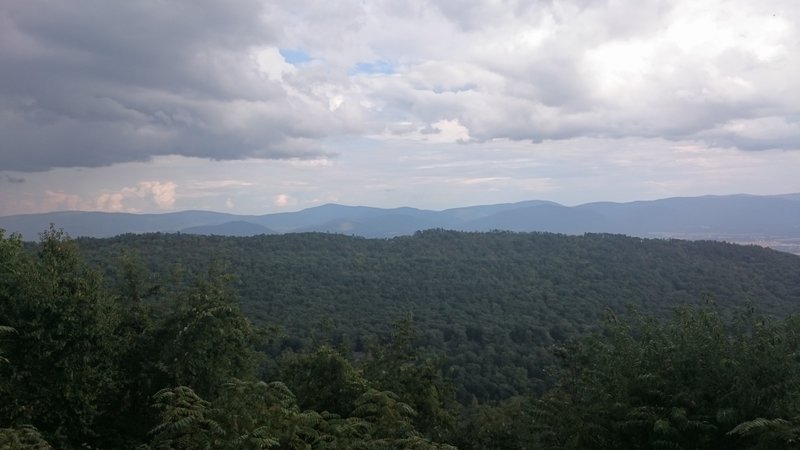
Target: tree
(685, 383)
(11, 259)
(245, 415)
(5, 332)
(507, 426)
(770, 433)
(62, 354)
(259, 415)
(391, 422)
(24, 437)
(396, 367)
(323, 380)
(186, 421)
(208, 339)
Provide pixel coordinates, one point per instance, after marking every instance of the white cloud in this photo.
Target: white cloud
(144, 195)
(543, 95)
(110, 202)
(270, 63)
(514, 70)
(163, 194)
(282, 200)
(765, 128)
(57, 201)
(220, 184)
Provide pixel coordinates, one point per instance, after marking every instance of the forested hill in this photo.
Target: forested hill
(771, 221)
(491, 303)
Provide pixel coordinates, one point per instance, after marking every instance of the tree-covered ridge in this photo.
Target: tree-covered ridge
(492, 303)
(697, 381)
(172, 363)
(176, 367)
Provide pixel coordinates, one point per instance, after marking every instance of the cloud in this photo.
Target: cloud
(220, 184)
(563, 70)
(57, 200)
(679, 73)
(161, 194)
(762, 133)
(283, 200)
(110, 202)
(95, 83)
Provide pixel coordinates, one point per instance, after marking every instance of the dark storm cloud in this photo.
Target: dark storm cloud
(92, 83)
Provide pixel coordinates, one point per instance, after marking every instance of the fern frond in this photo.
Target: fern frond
(757, 426)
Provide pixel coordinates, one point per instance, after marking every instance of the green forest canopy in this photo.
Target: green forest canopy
(491, 303)
(155, 356)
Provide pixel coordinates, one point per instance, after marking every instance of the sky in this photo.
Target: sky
(255, 107)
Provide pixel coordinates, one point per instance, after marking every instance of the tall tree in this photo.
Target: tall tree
(207, 338)
(63, 362)
(397, 367)
(323, 380)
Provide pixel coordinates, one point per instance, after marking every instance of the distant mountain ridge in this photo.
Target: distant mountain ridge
(765, 220)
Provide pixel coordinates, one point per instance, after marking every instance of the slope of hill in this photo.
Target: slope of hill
(549, 217)
(763, 220)
(493, 303)
(735, 214)
(234, 228)
(100, 224)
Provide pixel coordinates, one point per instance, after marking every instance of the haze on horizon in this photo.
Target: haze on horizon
(254, 107)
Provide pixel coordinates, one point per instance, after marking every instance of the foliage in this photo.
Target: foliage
(770, 433)
(206, 338)
(185, 421)
(62, 369)
(84, 362)
(258, 415)
(24, 437)
(391, 421)
(397, 367)
(506, 426)
(323, 380)
(156, 358)
(493, 302)
(5, 332)
(685, 383)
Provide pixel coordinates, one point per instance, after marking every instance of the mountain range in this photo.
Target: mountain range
(772, 221)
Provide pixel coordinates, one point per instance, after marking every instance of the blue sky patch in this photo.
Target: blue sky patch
(373, 67)
(295, 57)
